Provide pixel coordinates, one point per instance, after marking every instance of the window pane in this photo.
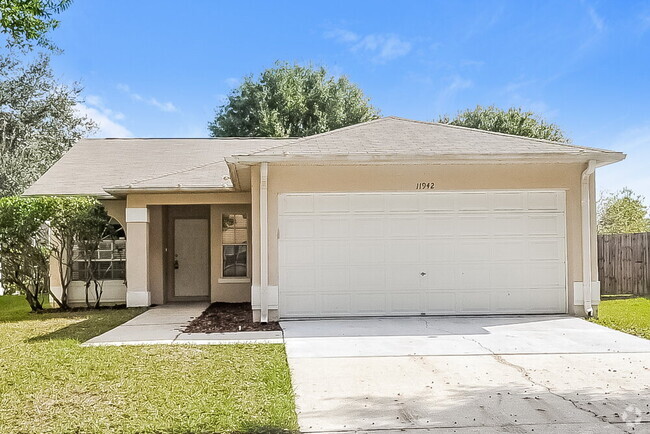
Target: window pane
(234, 229)
(235, 261)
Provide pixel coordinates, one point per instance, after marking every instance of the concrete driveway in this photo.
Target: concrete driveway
(544, 374)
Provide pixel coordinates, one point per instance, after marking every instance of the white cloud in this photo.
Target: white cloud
(163, 106)
(107, 126)
(596, 19)
(383, 47)
(232, 82)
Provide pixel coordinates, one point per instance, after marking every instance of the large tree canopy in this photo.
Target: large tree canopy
(622, 212)
(512, 121)
(291, 101)
(26, 22)
(38, 122)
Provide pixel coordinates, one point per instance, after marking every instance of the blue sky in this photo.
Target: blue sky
(160, 68)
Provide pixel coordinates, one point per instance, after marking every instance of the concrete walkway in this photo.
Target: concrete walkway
(555, 374)
(164, 324)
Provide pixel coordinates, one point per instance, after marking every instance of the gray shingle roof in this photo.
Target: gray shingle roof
(397, 136)
(95, 164)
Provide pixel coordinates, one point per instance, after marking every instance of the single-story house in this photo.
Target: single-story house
(387, 217)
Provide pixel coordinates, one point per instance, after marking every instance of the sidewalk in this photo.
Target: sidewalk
(164, 325)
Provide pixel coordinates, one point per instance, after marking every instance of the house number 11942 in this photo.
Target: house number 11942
(425, 186)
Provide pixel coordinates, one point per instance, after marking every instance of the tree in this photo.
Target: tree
(24, 247)
(75, 221)
(622, 212)
(291, 101)
(512, 121)
(26, 22)
(38, 122)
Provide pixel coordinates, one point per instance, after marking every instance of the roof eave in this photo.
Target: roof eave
(122, 191)
(603, 158)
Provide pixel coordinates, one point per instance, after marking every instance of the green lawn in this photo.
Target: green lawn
(627, 314)
(48, 383)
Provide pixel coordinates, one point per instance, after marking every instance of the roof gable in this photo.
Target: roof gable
(398, 136)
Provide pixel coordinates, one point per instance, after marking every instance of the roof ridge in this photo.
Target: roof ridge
(188, 138)
(305, 138)
(497, 133)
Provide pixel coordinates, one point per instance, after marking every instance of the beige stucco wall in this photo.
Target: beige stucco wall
(377, 178)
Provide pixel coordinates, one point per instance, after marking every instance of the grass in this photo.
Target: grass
(49, 383)
(628, 314)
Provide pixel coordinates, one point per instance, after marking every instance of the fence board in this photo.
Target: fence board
(624, 263)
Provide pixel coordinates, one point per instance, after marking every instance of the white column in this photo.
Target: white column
(137, 257)
(264, 244)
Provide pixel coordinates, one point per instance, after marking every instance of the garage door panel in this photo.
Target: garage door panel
(407, 202)
(367, 227)
(401, 277)
(439, 276)
(438, 225)
(474, 302)
(440, 302)
(298, 304)
(545, 224)
(470, 250)
(333, 252)
(406, 303)
(509, 225)
(333, 278)
(367, 252)
(438, 250)
(337, 227)
(297, 252)
(335, 304)
(508, 275)
(297, 203)
(546, 201)
(443, 202)
(403, 226)
(370, 303)
(297, 227)
(546, 249)
(509, 249)
(474, 225)
(426, 252)
(299, 278)
(509, 201)
(368, 277)
(474, 275)
(545, 274)
(471, 201)
(332, 203)
(402, 251)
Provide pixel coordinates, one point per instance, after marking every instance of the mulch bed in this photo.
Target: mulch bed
(228, 317)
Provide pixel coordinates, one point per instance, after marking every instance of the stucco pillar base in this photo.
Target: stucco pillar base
(138, 298)
(273, 315)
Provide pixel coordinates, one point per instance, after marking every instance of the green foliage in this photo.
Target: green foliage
(38, 122)
(74, 221)
(26, 22)
(512, 121)
(622, 212)
(291, 101)
(23, 246)
(627, 314)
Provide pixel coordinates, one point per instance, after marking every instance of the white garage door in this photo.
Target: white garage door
(438, 253)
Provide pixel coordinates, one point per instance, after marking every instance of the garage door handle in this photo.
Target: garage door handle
(423, 274)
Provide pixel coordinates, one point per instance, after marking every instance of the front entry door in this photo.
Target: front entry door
(191, 258)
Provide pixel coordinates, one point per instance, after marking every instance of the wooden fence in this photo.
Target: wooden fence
(624, 263)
